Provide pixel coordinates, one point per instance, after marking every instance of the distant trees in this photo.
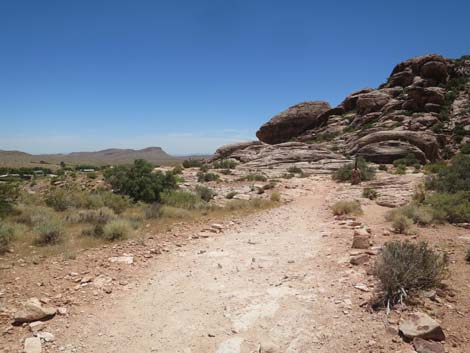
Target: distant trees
(139, 181)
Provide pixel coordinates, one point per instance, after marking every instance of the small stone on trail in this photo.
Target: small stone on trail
(421, 325)
(33, 311)
(32, 345)
(359, 259)
(423, 346)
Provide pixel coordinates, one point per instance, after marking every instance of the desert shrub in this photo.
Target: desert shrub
(225, 164)
(343, 174)
(118, 203)
(175, 213)
(452, 208)
(32, 215)
(231, 195)
(205, 193)
(102, 215)
(177, 170)
(62, 199)
(419, 194)
(465, 149)
(206, 177)
(400, 169)
(435, 167)
(192, 163)
(139, 181)
(287, 176)
(405, 267)
(204, 168)
(346, 207)
(7, 233)
(181, 199)
(454, 178)
(253, 177)
(49, 231)
(370, 193)
(116, 230)
(153, 211)
(402, 224)
(92, 175)
(383, 167)
(294, 170)
(8, 195)
(275, 196)
(408, 161)
(417, 213)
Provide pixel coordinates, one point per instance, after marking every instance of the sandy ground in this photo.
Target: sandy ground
(277, 281)
(272, 283)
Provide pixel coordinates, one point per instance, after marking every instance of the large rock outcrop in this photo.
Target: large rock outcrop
(293, 121)
(423, 109)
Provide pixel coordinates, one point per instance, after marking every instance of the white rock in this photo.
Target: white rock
(32, 345)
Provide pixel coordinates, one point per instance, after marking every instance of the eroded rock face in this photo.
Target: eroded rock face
(293, 121)
(274, 160)
(422, 109)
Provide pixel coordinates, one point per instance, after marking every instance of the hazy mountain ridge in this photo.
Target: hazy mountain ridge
(107, 156)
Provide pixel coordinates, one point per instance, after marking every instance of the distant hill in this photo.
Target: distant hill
(109, 156)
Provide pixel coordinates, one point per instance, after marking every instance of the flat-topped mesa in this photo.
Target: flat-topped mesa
(293, 121)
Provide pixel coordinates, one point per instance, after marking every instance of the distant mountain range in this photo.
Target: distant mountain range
(109, 156)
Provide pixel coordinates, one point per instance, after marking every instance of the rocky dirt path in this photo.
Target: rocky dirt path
(272, 284)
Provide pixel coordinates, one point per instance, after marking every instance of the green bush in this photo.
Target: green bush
(343, 174)
(177, 170)
(139, 181)
(192, 163)
(454, 178)
(346, 207)
(116, 230)
(295, 170)
(206, 177)
(404, 268)
(400, 169)
(49, 231)
(225, 164)
(7, 233)
(408, 161)
(175, 213)
(62, 199)
(435, 167)
(118, 203)
(370, 193)
(181, 199)
(92, 175)
(465, 149)
(452, 208)
(205, 193)
(8, 195)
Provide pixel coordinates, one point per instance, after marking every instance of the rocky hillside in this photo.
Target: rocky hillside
(423, 108)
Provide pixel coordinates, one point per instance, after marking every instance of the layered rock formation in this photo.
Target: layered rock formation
(423, 109)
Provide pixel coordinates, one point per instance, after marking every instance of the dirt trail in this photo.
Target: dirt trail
(273, 281)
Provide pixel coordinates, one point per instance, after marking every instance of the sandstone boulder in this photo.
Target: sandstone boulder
(293, 121)
(33, 310)
(421, 325)
(386, 152)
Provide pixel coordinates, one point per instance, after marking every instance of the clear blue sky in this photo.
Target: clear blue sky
(191, 75)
